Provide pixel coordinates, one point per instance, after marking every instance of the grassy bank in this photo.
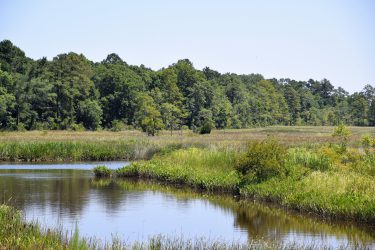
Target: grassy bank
(317, 179)
(198, 168)
(15, 233)
(76, 151)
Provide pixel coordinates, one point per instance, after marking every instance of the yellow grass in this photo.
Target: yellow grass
(287, 135)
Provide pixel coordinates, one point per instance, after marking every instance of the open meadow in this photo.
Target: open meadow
(290, 135)
(133, 144)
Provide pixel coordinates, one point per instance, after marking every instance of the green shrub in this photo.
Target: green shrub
(78, 127)
(262, 160)
(342, 133)
(206, 128)
(368, 143)
(102, 172)
(118, 125)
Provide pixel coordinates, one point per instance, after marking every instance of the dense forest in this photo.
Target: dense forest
(72, 92)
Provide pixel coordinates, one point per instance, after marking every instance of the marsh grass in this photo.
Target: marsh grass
(316, 179)
(196, 167)
(309, 159)
(102, 172)
(135, 145)
(332, 195)
(76, 151)
(323, 181)
(15, 233)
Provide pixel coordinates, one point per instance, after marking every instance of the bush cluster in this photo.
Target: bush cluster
(102, 172)
(262, 160)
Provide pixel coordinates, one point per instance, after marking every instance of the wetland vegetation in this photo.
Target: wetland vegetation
(318, 179)
(108, 155)
(320, 171)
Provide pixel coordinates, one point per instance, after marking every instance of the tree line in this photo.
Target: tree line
(72, 92)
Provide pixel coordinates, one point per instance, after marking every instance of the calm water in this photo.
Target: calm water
(67, 194)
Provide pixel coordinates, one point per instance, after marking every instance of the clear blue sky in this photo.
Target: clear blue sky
(317, 39)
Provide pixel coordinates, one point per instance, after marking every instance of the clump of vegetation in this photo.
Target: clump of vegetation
(342, 133)
(314, 160)
(368, 144)
(324, 181)
(262, 160)
(102, 172)
(78, 127)
(76, 151)
(15, 233)
(205, 169)
(206, 128)
(118, 125)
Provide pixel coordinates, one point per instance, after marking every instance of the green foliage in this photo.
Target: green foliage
(70, 89)
(172, 116)
(89, 113)
(368, 143)
(312, 179)
(204, 122)
(262, 160)
(148, 116)
(342, 133)
(78, 127)
(75, 151)
(102, 172)
(199, 168)
(72, 86)
(15, 233)
(118, 125)
(206, 128)
(306, 158)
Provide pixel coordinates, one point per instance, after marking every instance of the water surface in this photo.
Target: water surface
(67, 195)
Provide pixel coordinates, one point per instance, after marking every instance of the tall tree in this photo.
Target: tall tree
(147, 115)
(71, 77)
(118, 86)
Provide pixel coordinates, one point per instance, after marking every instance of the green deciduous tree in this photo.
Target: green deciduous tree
(172, 116)
(89, 114)
(148, 116)
(70, 89)
(70, 75)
